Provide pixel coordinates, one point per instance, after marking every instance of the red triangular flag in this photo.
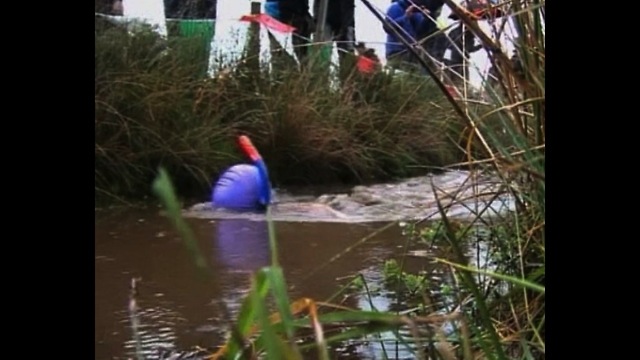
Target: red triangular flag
(269, 22)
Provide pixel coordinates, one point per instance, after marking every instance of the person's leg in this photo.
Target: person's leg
(406, 62)
(281, 60)
(345, 42)
(278, 60)
(456, 46)
(301, 36)
(456, 70)
(437, 46)
(116, 8)
(465, 69)
(394, 61)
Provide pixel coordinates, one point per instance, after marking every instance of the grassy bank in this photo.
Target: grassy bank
(152, 109)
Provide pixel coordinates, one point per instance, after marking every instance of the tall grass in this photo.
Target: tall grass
(506, 138)
(153, 109)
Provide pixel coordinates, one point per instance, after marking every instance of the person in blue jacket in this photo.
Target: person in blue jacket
(408, 14)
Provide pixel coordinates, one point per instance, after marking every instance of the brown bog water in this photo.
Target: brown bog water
(179, 308)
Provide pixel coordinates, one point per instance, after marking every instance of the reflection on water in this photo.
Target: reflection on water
(241, 245)
(385, 298)
(383, 345)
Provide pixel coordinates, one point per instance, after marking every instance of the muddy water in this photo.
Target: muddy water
(179, 308)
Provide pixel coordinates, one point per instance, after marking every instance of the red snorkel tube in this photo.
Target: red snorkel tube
(265, 187)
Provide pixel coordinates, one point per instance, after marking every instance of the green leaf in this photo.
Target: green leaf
(163, 188)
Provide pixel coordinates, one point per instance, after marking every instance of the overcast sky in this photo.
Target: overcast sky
(229, 35)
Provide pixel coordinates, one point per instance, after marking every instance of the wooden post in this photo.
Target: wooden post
(321, 19)
(319, 64)
(255, 7)
(253, 51)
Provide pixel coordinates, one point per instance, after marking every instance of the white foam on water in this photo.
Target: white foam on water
(407, 200)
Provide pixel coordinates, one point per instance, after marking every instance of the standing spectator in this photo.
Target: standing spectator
(340, 27)
(434, 41)
(408, 14)
(116, 8)
(463, 44)
(190, 9)
(296, 14)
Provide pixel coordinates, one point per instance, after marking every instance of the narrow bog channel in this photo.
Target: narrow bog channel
(179, 309)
